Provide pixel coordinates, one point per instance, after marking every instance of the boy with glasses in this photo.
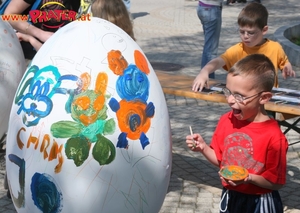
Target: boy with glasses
(252, 22)
(246, 136)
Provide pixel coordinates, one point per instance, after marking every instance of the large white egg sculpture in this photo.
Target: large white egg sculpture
(89, 129)
(12, 68)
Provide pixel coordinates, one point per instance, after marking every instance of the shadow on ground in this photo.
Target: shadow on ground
(140, 14)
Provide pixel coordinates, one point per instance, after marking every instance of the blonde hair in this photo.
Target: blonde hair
(115, 12)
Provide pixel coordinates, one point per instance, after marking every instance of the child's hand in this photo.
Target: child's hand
(200, 82)
(195, 142)
(28, 38)
(23, 37)
(235, 183)
(288, 71)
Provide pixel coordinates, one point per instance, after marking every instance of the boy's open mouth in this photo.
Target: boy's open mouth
(236, 111)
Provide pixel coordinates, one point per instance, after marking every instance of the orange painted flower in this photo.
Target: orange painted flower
(116, 62)
(132, 118)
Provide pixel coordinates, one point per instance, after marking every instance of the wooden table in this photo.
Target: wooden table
(181, 85)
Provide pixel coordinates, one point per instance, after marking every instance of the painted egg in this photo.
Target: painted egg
(12, 67)
(89, 127)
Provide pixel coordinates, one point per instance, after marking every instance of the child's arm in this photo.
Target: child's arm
(256, 180)
(18, 7)
(196, 143)
(262, 182)
(288, 71)
(202, 78)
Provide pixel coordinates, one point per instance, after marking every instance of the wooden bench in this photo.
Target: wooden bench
(181, 85)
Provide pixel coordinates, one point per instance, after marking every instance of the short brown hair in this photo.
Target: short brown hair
(258, 66)
(253, 14)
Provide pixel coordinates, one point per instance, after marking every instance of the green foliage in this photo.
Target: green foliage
(296, 41)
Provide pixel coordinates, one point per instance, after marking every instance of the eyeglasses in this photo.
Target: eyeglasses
(239, 98)
(248, 33)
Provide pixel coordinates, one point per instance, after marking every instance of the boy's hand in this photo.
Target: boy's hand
(195, 142)
(288, 71)
(200, 81)
(236, 183)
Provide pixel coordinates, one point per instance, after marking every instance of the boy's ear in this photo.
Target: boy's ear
(265, 29)
(265, 97)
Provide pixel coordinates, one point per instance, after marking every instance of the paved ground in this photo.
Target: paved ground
(169, 31)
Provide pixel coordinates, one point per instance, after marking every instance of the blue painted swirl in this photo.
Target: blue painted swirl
(133, 84)
(45, 193)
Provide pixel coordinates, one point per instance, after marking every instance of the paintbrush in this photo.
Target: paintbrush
(191, 131)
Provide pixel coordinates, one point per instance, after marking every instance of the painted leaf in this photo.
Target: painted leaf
(65, 129)
(77, 149)
(104, 150)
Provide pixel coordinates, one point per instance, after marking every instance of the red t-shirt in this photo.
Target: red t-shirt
(259, 147)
